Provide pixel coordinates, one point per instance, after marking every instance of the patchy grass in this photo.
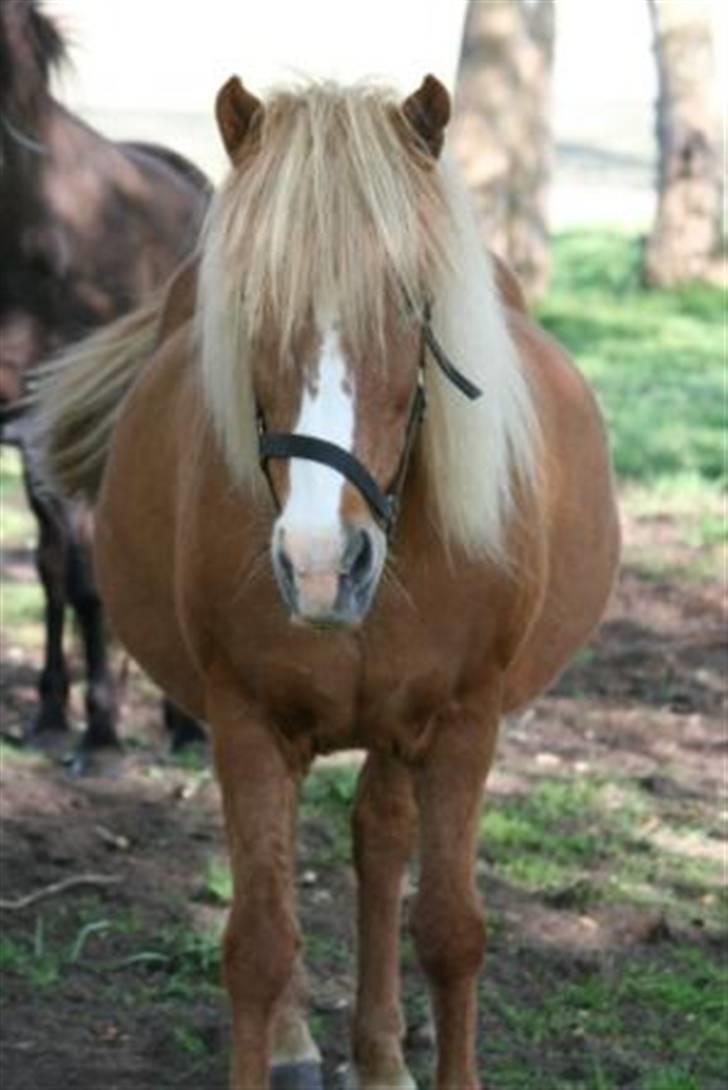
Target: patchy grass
(11, 755)
(30, 957)
(327, 799)
(643, 1022)
(657, 358)
(219, 884)
(21, 606)
(590, 841)
(174, 962)
(16, 523)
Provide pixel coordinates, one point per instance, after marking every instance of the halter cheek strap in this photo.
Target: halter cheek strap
(384, 506)
(275, 444)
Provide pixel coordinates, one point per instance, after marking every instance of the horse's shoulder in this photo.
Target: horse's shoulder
(558, 384)
(178, 304)
(508, 285)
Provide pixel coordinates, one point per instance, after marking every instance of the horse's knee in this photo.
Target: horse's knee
(260, 947)
(381, 833)
(449, 937)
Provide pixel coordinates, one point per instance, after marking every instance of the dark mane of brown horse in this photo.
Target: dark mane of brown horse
(88, 228)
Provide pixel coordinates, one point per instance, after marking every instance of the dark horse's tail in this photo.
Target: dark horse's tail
(78, 396)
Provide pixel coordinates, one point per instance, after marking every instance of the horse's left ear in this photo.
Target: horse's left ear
(428, 112)
(235, 109)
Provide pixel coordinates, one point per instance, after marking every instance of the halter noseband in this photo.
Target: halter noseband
(384, 505)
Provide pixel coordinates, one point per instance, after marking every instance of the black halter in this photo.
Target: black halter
(384, 505)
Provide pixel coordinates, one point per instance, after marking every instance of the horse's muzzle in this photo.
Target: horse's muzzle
(329, 587)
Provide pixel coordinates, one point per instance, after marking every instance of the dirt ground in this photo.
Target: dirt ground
(112, 986)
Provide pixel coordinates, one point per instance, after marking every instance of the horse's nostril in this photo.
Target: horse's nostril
(359, 556)
(286, 576)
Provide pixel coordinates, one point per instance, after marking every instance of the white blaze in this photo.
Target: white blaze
(311, 517)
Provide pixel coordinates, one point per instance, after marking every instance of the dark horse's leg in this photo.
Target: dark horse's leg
(84, 597)
(183, 729)
(50, 558)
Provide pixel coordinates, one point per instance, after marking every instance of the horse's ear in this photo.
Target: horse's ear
(428, 112)
(235, 109)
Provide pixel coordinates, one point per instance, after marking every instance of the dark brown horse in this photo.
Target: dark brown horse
(87, 228)
(394, 580)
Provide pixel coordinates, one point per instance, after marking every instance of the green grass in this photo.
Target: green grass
(16, 523)
(10, 472)
(30, 957)
(21, 605)
(652, 1023)
(189, 1042)
(656, 358)
(576, 843)
(328, 792)
(172, 962)
(219, 884)
(16, 755)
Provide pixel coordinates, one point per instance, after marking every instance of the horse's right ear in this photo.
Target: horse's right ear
(235, 109)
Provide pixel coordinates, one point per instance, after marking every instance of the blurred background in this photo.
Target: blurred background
(603, 76)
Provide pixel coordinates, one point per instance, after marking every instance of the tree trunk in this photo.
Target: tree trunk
(501, 132)
(685, 236)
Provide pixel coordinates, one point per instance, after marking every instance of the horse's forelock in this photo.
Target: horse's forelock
(332, 203)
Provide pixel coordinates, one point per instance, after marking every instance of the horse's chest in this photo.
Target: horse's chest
(351, 695)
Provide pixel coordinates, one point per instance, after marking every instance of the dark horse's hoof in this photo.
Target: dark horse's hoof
(49, 720)
(296, 1076)
(106, 762)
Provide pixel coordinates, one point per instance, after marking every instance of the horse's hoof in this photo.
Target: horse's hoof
(101, 733)
(305, 1075)
(48, 721)
(350, 1079)
(104, 763)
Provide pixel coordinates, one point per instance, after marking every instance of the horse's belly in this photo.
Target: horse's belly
(134, 551)
(142, 614)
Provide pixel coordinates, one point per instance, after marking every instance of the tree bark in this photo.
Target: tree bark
(685, 236)
(501, 132)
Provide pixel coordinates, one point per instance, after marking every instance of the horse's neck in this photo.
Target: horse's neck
(23, 161)
(26, 152)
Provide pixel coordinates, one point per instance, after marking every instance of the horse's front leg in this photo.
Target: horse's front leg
(448, 921)
(261, 940)
(384, 826)
(101, 711)
(50, 559)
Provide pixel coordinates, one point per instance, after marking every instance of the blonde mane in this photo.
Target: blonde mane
(334, 205)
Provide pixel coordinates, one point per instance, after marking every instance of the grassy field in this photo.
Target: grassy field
(603, 840)
(659, 363)
(657, 360)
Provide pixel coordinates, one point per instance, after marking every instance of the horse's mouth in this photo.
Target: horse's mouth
(329, 624)
(347, 612)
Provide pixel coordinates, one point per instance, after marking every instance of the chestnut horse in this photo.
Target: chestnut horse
(303, 556)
